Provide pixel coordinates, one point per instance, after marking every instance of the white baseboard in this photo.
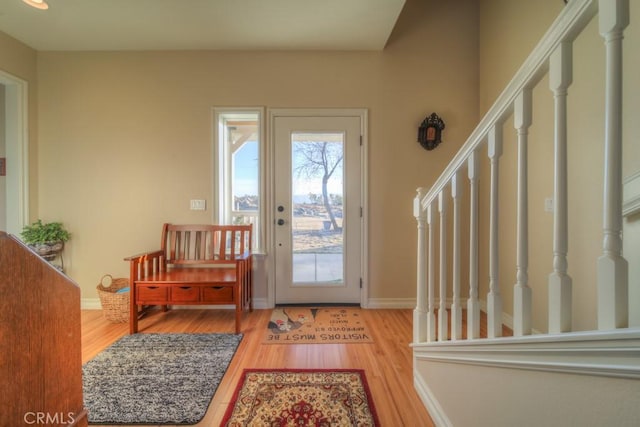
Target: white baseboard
(436, 412)
(387, 303)
(507, 319)
(261, 304)
(94, 304)
(90, 304)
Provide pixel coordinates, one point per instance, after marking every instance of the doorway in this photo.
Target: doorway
(318, 206)
(14, 153)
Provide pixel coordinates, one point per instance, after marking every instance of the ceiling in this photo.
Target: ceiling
(202, 24)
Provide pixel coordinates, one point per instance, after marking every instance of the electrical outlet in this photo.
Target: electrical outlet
(198, 205)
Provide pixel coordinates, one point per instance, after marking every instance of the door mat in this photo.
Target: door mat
(304, 397)
(317, 325)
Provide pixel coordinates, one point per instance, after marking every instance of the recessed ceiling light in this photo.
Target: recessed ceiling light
(38, 4)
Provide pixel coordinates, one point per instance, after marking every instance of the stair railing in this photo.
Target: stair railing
(552, 56)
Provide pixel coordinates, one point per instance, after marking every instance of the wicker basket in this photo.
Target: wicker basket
(115, 306)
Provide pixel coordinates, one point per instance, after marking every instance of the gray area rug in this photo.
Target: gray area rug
(156, 378)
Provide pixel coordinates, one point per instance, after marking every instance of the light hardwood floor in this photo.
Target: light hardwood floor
(387, 361)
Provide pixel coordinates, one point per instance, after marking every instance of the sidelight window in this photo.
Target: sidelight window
(239, 147)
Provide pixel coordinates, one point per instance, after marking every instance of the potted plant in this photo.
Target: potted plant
(46, 239)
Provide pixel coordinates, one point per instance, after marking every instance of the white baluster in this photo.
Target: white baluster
(431, 314)
(443, 323)
(612, 267)
(456, 308)
(522, 291)
(494, 300)
(473, 304)
(420, 312)
(560, 283)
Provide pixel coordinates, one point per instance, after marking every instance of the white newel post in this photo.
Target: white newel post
(612, 267)
(431, 314)
(560, 283)
(456, 308)
(473, 304)
(420, 312)
(494, 300)
(443, 322)
(522, 291)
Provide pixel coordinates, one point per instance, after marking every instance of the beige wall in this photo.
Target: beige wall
(17, 58)
(504, 26)
(125, 137)
(509, 30)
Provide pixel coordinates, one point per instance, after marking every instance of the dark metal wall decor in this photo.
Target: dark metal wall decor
(430, 132)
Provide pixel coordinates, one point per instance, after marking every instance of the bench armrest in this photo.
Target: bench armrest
(146, 263)
(150, 254)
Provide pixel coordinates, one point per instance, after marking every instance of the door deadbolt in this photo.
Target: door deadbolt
(281, 221)
(280, 208)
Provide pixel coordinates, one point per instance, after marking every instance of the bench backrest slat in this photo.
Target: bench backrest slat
(194, 244)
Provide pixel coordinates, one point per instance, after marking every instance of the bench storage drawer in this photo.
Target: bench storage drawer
(217, 294)
(152, 294)
(185, 294)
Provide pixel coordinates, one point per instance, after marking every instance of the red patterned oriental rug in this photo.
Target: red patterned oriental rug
(301, 398)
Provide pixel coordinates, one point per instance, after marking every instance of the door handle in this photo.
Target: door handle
(281, 221)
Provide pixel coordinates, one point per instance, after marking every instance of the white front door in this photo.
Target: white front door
(318, 209)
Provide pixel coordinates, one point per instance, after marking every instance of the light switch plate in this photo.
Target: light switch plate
(198, 205)
(548, 204)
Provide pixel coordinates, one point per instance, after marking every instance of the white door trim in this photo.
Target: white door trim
(361, 113)
(17, 151)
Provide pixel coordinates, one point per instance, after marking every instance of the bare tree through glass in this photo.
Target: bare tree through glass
(317, 222)
(320, 160)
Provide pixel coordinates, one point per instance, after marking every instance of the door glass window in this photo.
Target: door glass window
(317, 176)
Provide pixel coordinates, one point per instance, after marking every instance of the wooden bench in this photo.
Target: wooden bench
(195, 265)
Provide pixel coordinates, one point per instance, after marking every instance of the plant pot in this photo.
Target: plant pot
(48, 250)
